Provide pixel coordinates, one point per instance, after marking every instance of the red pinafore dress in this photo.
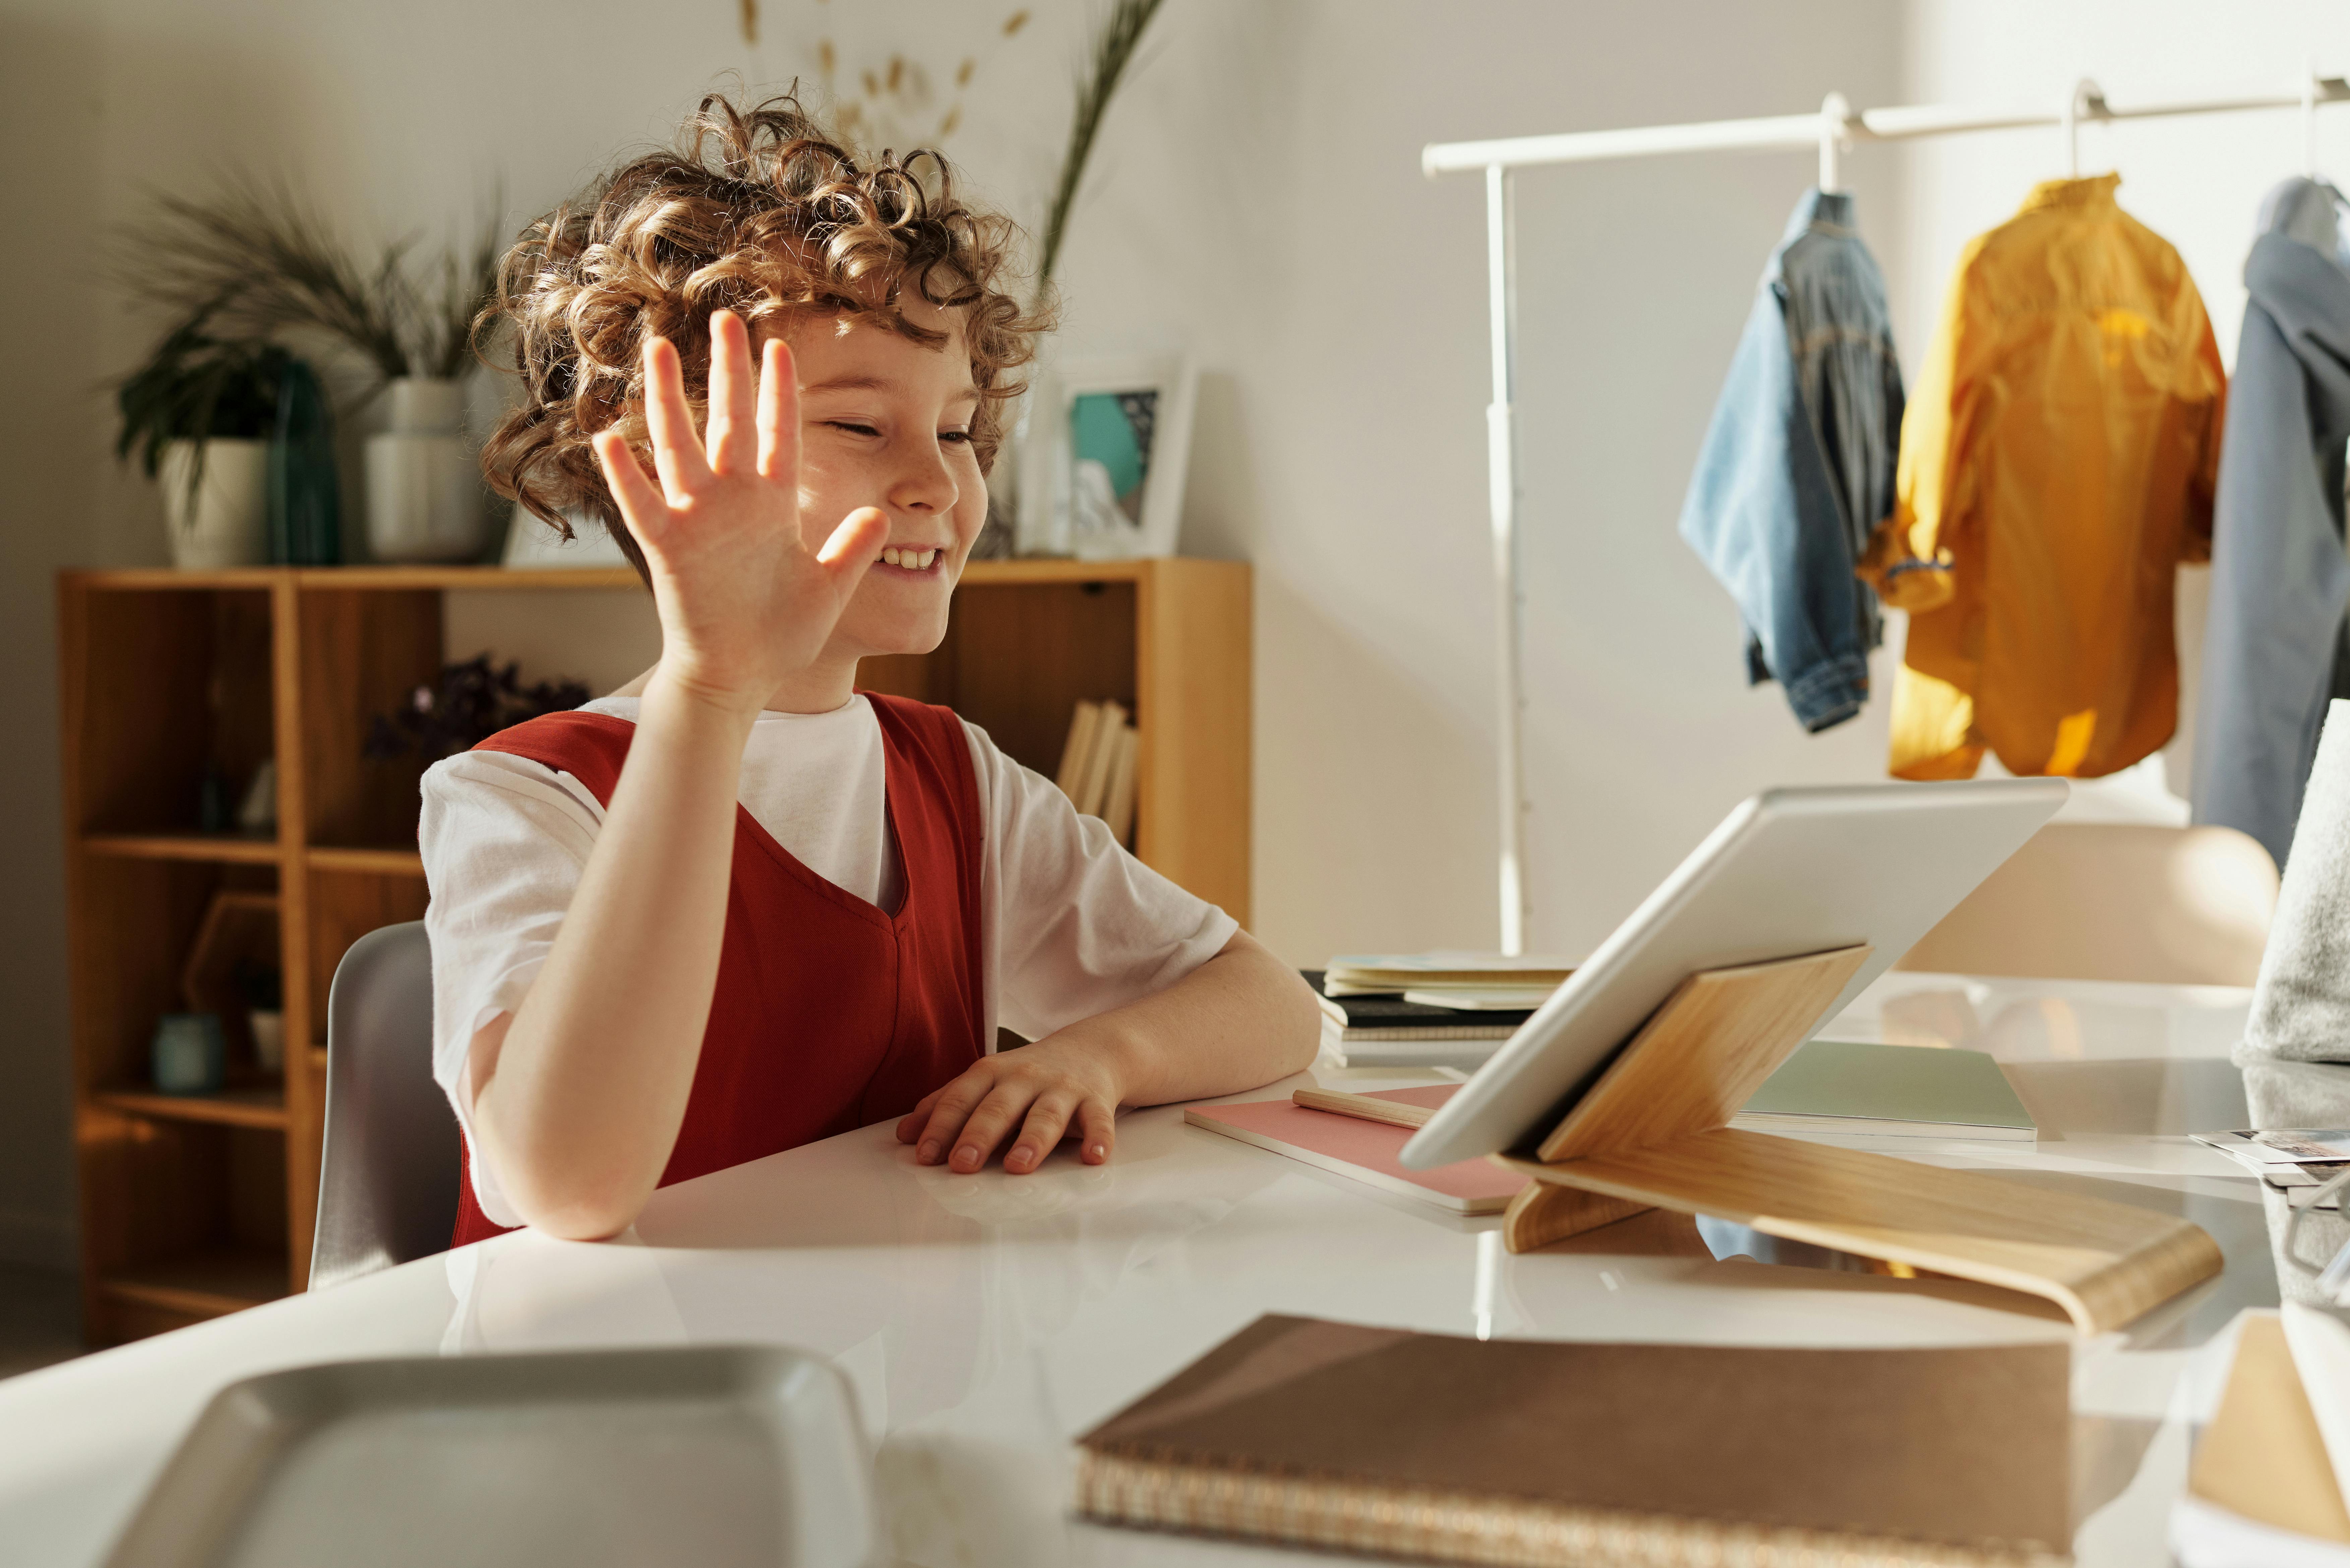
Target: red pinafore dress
(829, 1015)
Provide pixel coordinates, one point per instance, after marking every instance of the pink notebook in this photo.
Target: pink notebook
(1365, 1150)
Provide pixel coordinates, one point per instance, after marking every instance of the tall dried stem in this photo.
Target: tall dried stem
(1114, 48)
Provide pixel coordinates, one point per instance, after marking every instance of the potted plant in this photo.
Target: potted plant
(473, 701)
(198, 415)
(270, 268)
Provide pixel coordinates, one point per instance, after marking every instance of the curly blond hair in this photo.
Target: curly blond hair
(756, 211)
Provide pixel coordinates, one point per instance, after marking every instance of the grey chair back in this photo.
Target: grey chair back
(388, 1172)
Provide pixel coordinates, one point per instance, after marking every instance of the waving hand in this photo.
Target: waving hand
(744, 602)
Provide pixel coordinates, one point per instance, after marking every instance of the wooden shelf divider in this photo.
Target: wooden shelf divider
(189, 1207)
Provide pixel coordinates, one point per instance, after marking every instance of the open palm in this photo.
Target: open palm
(744, 604)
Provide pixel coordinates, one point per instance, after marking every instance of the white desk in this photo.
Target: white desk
(987, 1320)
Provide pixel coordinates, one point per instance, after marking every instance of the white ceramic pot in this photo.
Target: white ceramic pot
(424, 487)
(226, 523)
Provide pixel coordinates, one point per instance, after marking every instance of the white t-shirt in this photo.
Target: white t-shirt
(1070, 924)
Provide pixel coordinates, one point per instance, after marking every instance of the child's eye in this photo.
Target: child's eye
(852, 426)
(955, 435)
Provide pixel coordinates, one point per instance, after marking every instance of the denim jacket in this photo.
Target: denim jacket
(1798, 465)
(2279, 581)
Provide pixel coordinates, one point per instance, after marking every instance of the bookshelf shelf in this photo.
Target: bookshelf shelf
(193, 1207)
(255, 1107)
(376, 861)
(227, 849)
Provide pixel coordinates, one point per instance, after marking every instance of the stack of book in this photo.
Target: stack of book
(1098, 765)
(1430, 1009)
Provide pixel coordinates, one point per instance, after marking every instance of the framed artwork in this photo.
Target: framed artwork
(1102, 463)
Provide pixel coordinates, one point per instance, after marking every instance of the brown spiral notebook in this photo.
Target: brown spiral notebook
(1555, 1455)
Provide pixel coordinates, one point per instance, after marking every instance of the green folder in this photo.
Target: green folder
(1915, 1091)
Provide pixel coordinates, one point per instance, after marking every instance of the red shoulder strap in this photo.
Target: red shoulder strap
(937, 733)
(590, 747)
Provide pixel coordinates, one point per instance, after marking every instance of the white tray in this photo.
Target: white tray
(713, 1456)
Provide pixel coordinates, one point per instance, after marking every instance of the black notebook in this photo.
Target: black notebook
(1390, 1017)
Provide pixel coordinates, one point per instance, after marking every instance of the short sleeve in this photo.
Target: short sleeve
(505, 841)
(1080, 925)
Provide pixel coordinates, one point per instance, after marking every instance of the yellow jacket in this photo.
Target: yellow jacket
(2057, 464)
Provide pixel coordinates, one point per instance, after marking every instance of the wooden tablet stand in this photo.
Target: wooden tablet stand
(1653, 1133)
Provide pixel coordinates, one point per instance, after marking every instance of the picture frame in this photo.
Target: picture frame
(1103, 460)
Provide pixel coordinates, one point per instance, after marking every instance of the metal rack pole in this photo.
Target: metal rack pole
(1502, 487)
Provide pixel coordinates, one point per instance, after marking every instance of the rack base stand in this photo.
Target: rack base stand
(1652, 1133)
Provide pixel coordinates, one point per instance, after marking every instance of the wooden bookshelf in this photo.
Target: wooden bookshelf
(195, 1206)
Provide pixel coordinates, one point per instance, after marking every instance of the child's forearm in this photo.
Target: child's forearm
(1242, 1019)
(579, 1104)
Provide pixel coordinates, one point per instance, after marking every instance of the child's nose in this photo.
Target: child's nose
(924, 483)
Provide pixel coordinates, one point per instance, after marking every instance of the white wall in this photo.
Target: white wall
(1364, 418)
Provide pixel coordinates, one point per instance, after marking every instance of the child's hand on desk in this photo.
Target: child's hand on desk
(745, 603)
(1054, 1088)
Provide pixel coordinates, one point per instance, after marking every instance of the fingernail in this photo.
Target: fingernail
(966, 1157)
(1101, 1151)
(929, 1152)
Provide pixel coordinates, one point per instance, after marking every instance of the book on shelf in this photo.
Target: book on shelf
(1094, 782)
(1077, 751)
(1912, 1091)
(1381, 1440)
(1118, 800)
(1097, 764)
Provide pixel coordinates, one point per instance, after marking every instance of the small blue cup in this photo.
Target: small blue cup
(191, 1054)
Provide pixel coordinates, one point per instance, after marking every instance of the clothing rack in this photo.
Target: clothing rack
(1832, 128)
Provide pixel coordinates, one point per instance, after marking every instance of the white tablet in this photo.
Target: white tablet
(1790, 871)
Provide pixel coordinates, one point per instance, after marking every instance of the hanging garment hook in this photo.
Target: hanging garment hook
(2087, 101)
(1836, 126)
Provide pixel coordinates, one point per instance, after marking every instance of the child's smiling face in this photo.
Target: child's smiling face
(885, 422)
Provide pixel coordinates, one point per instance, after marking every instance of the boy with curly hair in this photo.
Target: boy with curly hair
(740, 905)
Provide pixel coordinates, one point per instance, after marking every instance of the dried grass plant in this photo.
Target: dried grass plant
(264, 263)
(1114, 49)
(894, 104)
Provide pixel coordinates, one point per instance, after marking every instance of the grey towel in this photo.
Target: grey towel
(2300, 1004)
